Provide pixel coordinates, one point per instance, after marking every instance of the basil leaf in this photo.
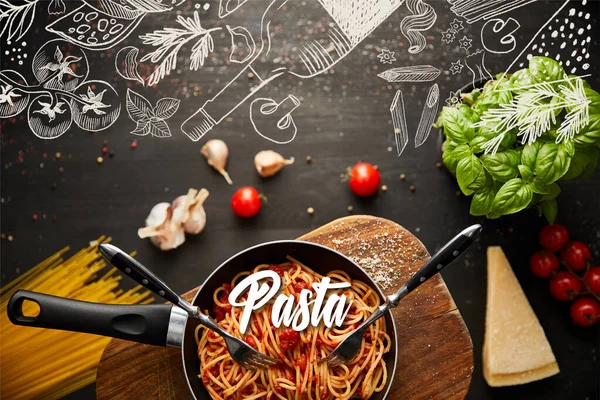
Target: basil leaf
(552, 162)
(544, 69)
(492, 97)
(487, 131)
(503, 166)
(552, 192)
(514, 196)
(452, 158)
(526, 172)
(583, 163)
(458, 123)
(589, 134)
(549, 209)
(521, 78)
(470, 174)
(530, 154)
(481, 204)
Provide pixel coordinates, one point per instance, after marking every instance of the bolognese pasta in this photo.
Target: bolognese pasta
(298, 376)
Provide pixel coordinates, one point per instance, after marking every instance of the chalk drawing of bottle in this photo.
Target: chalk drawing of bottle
(315, 49)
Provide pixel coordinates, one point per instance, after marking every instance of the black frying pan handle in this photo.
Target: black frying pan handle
(136, 271)
(138, 323)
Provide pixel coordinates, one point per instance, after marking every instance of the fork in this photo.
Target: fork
(348, 348)
(239, 350)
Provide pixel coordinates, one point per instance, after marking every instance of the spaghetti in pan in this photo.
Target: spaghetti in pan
(298, 376)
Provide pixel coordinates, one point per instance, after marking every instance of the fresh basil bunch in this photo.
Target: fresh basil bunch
(511, 142)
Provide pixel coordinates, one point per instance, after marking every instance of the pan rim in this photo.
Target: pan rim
(303, 242)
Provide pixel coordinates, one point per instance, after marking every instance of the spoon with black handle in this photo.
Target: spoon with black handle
(349, 347)
(239, 350)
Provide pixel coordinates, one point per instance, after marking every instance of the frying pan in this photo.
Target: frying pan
(168, 325)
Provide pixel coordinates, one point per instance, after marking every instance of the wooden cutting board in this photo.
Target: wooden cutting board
(435, 357)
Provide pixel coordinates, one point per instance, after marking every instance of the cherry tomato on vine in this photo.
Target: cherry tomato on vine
(246, 202)
(542, 264)
(565, 286)
(592, 280)
(585, 311)
(554, 237)
(575, 255)
(364, 179)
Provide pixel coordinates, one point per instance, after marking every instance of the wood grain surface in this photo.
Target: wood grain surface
(435, 355)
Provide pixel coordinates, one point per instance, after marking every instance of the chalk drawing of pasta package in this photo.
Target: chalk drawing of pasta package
(342, 25)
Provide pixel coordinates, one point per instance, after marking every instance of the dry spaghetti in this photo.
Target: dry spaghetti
(298, 376)
(50, 364)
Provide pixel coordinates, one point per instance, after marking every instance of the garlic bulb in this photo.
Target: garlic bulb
(168, 223)
(217, 153)
(268, 163)
(197, 216)
(160, 228)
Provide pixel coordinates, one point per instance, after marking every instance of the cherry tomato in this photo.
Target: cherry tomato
(565, 286)
(542, 264)
(246, 202)
(585, 311)
(592, 279)
(575, 255)
(364, 179)
(554, 237)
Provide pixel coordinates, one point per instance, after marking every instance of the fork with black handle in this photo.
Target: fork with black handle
(349, 347)
(239, 350)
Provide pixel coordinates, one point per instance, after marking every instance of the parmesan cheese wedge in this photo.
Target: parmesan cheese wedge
(515, 348)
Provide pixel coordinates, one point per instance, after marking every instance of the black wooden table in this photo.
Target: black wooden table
(343, 117)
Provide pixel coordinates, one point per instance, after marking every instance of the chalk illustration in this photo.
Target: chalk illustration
(386, 57)
(456, 25)
(149, 119)
(105, 23)
(448, 35)
(226, 7)
(476, 10)
(414, 73)
(423, 17)
(16, 19)
(170, 40)
(346, 24)
(428, 116)
(534, 112)
(497, 35)
(56, 7)
(573, 32)
(534, 37)
(126, 64)
(454, 98)
(399, 120)
(266, 114)
(477, 60)
(241, 54)
(465, 43)
(61, 96)
(456, 67)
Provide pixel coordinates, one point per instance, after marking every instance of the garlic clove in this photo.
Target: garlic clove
(217, 153)
(182, 205)
(169, 238)
(159, 214)
(197, 219)
(268, 163)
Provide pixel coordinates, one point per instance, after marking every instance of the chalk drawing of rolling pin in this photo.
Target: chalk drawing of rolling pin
(266, 114)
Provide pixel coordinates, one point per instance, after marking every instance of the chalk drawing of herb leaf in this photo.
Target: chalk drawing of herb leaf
(170, 40)
(148, 119)
(534, 112)
(16, 19)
